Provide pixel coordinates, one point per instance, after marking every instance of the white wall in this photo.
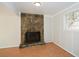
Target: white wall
(48, 36)
(76, 43)
(68, 40)
(9, 27)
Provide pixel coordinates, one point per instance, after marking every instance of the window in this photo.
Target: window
(72, 20)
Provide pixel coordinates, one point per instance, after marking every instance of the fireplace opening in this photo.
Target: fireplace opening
(32, 37)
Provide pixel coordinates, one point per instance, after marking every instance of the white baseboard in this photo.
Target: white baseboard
(11, 46)
(65, 49)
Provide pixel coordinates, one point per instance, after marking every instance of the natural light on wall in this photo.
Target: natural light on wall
(72, 20)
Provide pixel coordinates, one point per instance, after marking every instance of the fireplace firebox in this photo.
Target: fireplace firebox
(32, 37)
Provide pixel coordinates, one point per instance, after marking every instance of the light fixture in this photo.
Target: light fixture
(37, 3)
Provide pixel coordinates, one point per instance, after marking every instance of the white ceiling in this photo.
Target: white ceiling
(50, 8)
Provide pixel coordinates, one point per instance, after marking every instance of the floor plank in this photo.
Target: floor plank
(47, 50)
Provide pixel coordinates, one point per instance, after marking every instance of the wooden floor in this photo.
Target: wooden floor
(47, 50)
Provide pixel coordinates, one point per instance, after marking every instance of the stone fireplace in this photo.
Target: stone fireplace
(32, 30)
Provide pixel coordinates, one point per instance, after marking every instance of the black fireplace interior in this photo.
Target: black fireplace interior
(32, 37)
